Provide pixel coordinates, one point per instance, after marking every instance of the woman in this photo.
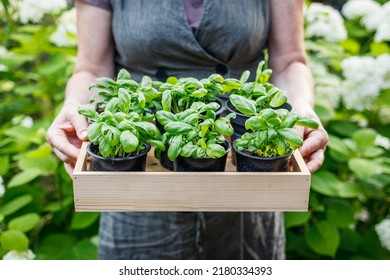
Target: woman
(188, 38)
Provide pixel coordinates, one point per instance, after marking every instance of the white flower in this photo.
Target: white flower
(327, 85)
(383, 32)
(383, 67)
(363, 215)
(325, 22)
(382, 141)
(3, 67)
(2, 187)
(383, 231)
(360, 8)
(15, 255)
(25, 121)
(65, 34)
(33, 10)
(364, 80)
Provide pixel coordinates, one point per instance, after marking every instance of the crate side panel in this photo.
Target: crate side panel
(159, 191)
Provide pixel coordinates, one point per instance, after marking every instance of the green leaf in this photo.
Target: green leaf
(188, 150)
(177, 128)
(243, 105)
(165, 117)
(106, 80)
(174, 147)
(82, 220)
(158, 144)
(279, 99)
(24, 177)
(364, 168)
(25, 222)
(215, 151)
(105, 148)
(41, 159)
(379, 48)
(293, 219)
(364, 137)
(15, 204)
(291, 136)
(339, 150)
(326, 183)
(307, 122)
(94, 131)
(1, 217)
(323, 238)
(224, 127)
(245, 76)
(123, 75)
(88, 111)
(166, 100)
(255, 123)
(4, 165)
(340, 213)
(148, 129)
(129, 141)
(14, 240)
(124, 100)
(85, 250)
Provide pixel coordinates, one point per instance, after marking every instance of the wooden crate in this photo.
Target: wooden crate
(158, 189)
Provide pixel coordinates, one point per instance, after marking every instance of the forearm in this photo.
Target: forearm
(297, 81)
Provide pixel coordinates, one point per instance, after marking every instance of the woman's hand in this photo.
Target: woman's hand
(66, 134)
(313, 147)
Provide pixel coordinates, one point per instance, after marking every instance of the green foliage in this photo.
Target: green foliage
(250, 98)
(351, 192)
(271, 132)
(178, 95)
(118, 127)
(38, 198)
(195, 131)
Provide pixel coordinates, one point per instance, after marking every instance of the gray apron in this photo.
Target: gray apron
(153, 38)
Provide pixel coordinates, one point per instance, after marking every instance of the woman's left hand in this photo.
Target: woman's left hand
(313, 147)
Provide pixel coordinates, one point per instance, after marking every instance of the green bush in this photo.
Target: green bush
(348, 215)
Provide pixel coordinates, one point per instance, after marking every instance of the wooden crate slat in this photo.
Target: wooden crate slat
(157, 189)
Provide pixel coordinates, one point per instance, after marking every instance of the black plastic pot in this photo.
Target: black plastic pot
(164, 160)
(202, 164)
(238, 123)
(250, 163)
(222, 110)
(132, 163)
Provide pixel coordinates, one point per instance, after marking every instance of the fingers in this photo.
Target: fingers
(80, 125)
(315, 161)
(313, 148)
(314, 140)
(69, 168)
(66, 134)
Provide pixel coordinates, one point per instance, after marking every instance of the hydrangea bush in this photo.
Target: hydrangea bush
(37, 51)
(348, 215)
(349, 56)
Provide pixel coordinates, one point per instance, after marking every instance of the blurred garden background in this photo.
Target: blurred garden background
(348, 43)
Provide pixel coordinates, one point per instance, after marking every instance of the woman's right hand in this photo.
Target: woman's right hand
(66, 134)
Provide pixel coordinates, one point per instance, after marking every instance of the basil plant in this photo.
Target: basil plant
(195, 132)
(261, 93)
(179, 94)
(144, 95)
(119, 131)
(272, 133)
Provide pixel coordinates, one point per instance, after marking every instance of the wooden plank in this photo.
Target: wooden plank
(158, 189)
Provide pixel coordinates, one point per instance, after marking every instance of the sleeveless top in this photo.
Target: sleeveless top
(153, 38)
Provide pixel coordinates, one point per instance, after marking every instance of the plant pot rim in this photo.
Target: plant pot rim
(258, 157)
(140, 154)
